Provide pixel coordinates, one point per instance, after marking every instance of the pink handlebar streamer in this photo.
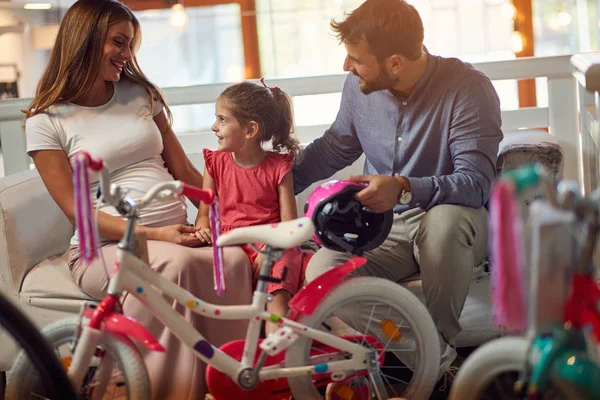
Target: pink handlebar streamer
(84, 217)
(507, 261)
(219, 272)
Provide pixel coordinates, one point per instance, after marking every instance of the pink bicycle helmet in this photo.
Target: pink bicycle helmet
(342, 223)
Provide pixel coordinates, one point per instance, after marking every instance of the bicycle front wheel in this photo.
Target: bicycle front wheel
(395, 321)
(492, 371)
(126, 376)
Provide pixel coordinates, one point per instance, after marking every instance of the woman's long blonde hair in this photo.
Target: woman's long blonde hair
(75, 60)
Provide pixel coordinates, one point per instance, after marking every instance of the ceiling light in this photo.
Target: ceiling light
(37, 6)
(554, 24)
(179, 17)
(509, 11)
(564, 18)
(517, 42)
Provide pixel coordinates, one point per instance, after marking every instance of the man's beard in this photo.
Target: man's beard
(383, 81)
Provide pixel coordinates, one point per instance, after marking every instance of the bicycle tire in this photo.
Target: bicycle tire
(33, 343)
(122, 350)
(392, 294)
(490, 361)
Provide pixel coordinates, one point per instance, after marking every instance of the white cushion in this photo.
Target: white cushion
(32, 227)
(51, 279)
(526, 138)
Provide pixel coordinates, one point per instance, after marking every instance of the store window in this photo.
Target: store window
(296, 40)
(208, 49)
(564, 27)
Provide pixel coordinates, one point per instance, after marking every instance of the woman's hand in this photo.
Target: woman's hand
(204, 235)
(179, 234)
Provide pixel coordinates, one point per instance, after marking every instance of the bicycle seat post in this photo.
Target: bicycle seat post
(270, 256)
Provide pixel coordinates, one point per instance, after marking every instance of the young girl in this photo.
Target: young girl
(255, 186)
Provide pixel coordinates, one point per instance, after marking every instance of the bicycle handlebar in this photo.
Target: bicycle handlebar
(176, 188)
(206, 196)
(565, 195)
(114, 196)
(95, 163)
(528, 176)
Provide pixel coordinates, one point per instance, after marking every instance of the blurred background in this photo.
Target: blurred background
(210, 41)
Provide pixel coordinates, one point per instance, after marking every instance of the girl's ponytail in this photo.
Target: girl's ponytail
(283, 123)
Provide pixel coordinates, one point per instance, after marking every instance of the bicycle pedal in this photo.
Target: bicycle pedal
(278, 341)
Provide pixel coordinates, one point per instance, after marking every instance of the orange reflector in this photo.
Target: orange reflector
(391, 330)
(344, 393)
(66, 362)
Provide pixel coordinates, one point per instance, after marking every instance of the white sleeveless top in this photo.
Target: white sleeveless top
(123, 133)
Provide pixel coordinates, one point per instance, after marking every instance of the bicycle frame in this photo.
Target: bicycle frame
(134, 276)
(564, 356)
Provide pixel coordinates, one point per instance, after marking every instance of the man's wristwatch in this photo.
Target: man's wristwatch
(405, 195)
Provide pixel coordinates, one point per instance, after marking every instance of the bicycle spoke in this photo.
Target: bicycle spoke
(390, 338)
(362, 343)
(389, 384)
(396, 379)
(354, 324)
(388, 313)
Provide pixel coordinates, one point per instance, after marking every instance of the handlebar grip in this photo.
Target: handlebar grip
(95, 163)
(204, 195)
(525, 177)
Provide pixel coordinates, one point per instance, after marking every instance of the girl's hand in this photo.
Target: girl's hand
(178, 234)
(204, 235)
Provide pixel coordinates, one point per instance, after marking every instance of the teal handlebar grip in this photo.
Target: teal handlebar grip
(525, 177)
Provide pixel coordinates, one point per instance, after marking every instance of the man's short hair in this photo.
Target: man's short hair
(388, 26)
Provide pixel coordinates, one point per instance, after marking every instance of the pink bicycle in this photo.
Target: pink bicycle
(312, 348)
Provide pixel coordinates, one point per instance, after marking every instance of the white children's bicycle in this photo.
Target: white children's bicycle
(312, 348)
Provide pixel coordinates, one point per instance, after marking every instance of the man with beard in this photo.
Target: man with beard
(430, 128)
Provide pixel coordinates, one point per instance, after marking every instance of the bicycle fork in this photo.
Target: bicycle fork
(84, 351)
(103, 320)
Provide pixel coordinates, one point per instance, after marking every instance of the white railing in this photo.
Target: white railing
(560, 117)
(586, 69)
